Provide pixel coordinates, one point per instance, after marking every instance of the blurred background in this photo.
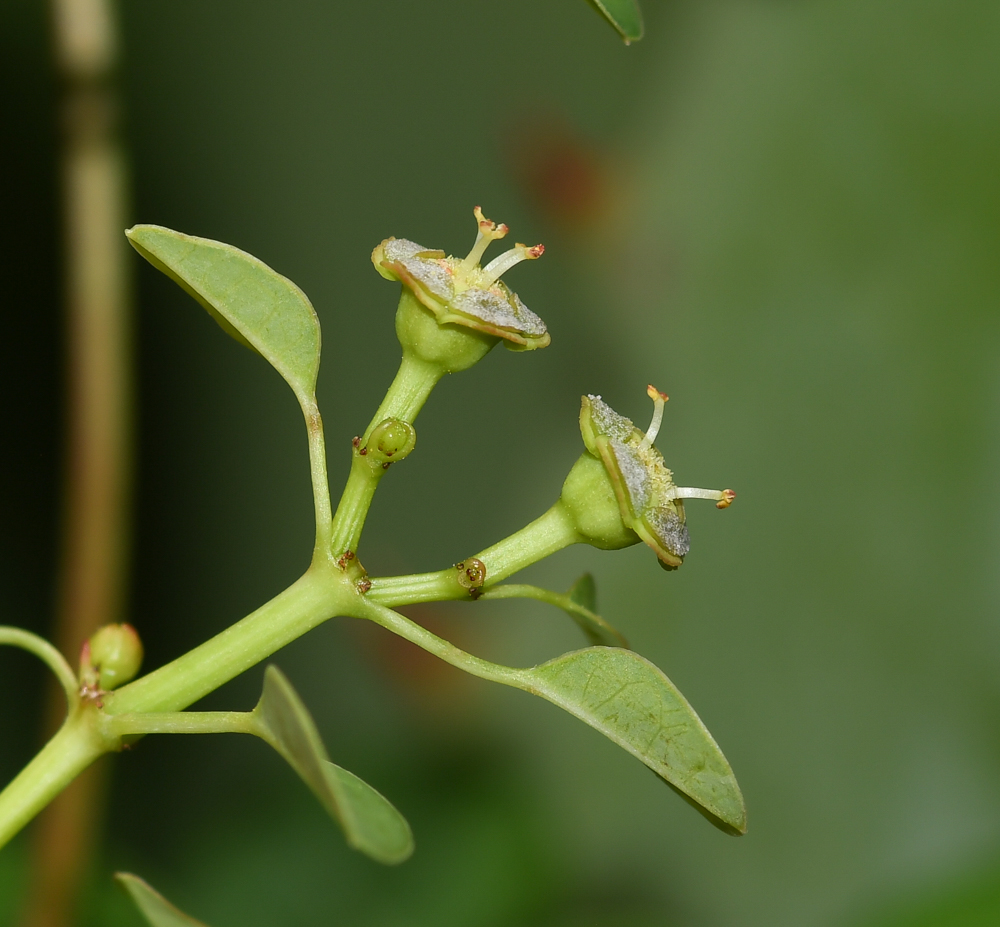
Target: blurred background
(785, 215)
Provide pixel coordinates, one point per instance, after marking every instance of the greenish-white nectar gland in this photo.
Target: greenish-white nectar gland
(460, 292)
(109, 659)
(649, 501)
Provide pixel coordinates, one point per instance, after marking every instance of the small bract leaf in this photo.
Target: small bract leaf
(624, 15)
(370, 822)
(598, 631)
(251, 302)
(630, 701)
(154, 907)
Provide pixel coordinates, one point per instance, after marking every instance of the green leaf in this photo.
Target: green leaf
(597, 631)
(624, 15)
(630, 701)
(251, 302)
(370, 823)
(154, 907)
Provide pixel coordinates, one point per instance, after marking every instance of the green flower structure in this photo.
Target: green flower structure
(650, 504)
(460, 292)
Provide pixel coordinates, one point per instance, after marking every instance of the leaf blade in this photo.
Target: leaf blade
(634, 704)
(152, 905)
(251, 302)
(624, 15)
(369, 821)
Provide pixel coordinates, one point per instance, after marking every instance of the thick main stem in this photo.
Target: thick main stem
(318, 595)
(73, 748)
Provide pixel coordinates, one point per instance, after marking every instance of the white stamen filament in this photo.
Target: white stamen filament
(690, 492)
(722, 498)
(488, 231)
(500, 265)
(659, 399)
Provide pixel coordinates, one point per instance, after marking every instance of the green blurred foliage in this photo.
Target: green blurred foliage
(786, 216)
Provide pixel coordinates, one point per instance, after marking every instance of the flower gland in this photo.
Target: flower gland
(648, 500)
(110, 658)
(390, 440)
(458, 291)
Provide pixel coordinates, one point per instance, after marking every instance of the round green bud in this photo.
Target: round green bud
(391, 440)
(115, 655)
(588, 496)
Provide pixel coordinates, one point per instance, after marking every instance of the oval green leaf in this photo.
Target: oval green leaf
(154, 907)
(251, 302)
(629, 700)
(370, 822)
(624, 15)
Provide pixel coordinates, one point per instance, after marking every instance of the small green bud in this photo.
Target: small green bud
(649, 503)
(390, 440)
(460, 299)
(111, 657)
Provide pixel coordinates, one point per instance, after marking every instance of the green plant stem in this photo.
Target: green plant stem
(318, 595)
(320, 479)
(73, 748)
(41, 648)
(398, 624)
(404, 399)
(544, 536)
(181, 722)
(408, 391)
(354, 504)
(592, 624)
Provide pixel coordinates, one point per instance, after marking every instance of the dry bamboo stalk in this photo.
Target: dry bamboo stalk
(98, 467)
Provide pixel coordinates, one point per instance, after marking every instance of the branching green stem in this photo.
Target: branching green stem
(154, 703)
(318, 595)
(41, 648)
(544, 536)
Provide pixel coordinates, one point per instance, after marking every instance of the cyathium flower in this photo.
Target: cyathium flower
(460, 292)
(649, 502)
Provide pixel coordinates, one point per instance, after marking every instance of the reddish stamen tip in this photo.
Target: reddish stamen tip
(537, 251)
(653, 392)
(727, 499)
